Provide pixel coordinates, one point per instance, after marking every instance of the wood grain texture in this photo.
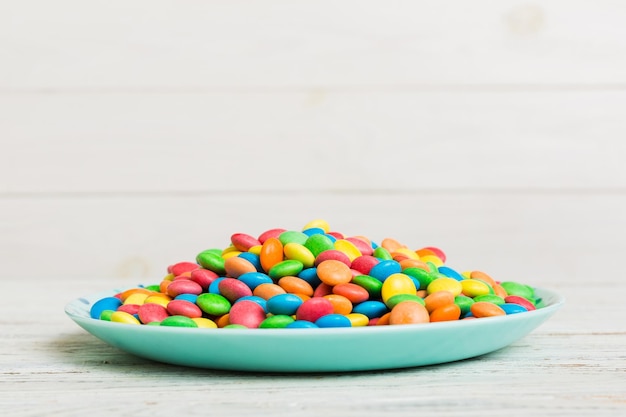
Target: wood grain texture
(134, 143)
(537, 237)
(161, 45)
(572, 365)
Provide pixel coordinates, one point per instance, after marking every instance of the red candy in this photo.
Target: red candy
(203, 277)
(243, 242)
(314, 308)
(516, 299)
(183, 286)
(355, 293)
(247, 313)
(364, 263)
(363, 247)
(270, 233)
(332, 254)
(152, 312)
(233, 289)
(182, 267)
(183, 308)
(129, 308)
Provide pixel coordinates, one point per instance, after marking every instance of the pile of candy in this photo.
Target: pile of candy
(314, 278)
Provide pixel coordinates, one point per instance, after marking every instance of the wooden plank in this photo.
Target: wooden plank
(190, 143)
(163, 45)
(549, 240)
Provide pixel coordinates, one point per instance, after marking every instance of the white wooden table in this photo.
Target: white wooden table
(574, 364)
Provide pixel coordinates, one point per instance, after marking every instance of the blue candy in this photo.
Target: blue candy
(371, 308)
(333, 320)
(302, 324)
(510, 308)
(450, 273)
(385, 268)
(254, 279)
(107, 303)
(284, 304)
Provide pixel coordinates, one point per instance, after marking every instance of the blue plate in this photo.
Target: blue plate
(316, 350)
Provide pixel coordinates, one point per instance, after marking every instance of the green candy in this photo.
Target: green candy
(372, 285)
(235, 326)
(289, 267)
(398, 298)
(318, 243)
(154, 287)
(382, 253)
(424, 277)
(213, 304)
(178, 321)
(291, 236)
(464, 303)
(106, 315)
(278, 321)
(433, 268)
(490, 298)
(210, 260)
(521, 290)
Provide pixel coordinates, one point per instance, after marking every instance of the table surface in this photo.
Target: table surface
(574, 364)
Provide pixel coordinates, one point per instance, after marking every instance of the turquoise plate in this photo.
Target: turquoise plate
(316, 350)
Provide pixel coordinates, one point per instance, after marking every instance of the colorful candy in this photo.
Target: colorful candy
(314, 278)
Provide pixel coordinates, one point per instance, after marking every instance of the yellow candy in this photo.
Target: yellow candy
(124, 317)
(445, 284)
(432, 258)
(358, 319)
(204, 323)
(348, 248)
(161, 300)
(474, 287)
(300, 253)
(319, 223)
(255, 249)
(397, 283)
(137, 298)
(231, 254)
(229, 249)
(411, 254)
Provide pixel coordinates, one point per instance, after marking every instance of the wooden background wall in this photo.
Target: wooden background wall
(134, 134)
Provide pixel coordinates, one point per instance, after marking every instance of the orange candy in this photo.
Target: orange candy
(483, 277)
(499, 290)
(409, 312)
(267, 291)
(355, 293)
(413, 263)
(391, 244)
(124, 295)
(295, 285)
(271, 253)
(237, 266)
(486, 309)
(341, 305)
(438, 299)
(446, 313)
(223, 321)
(383, 320)
(332, 272)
